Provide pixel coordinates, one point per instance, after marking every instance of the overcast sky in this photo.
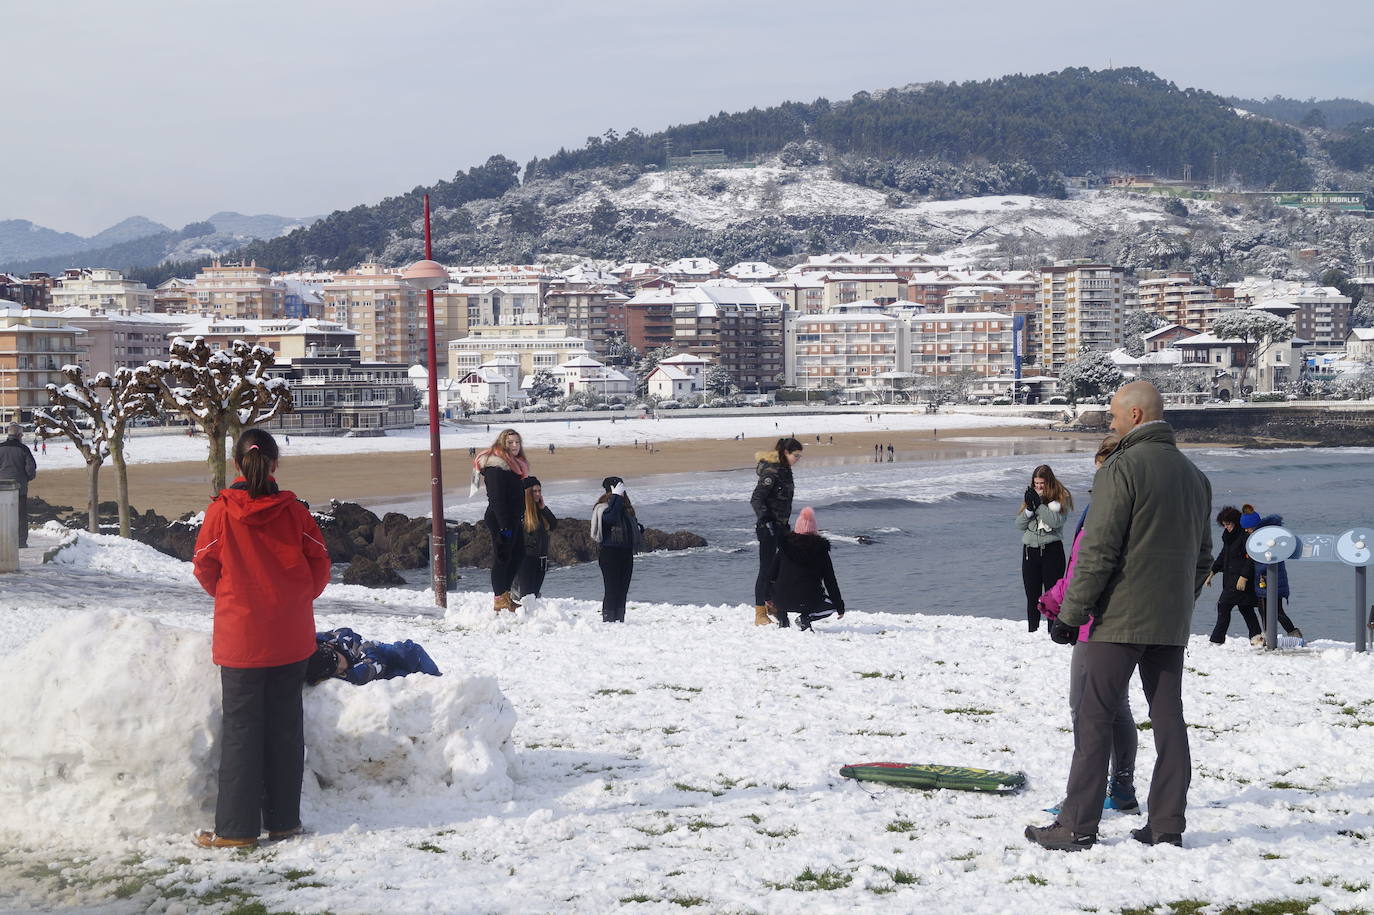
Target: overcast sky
(174, 110)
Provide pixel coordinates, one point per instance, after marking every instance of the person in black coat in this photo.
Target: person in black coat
(500, 469)
(772, 504)
(1237, 577)
(617, 531)
(18, 466)
(801, 578)
(539, 521)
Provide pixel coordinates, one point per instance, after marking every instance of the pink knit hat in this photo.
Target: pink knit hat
(806, 521)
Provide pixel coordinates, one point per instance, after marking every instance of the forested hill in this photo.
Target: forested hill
(1333, 113)
(1074, 122)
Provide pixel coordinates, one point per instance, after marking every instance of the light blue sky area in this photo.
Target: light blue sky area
(175, 110)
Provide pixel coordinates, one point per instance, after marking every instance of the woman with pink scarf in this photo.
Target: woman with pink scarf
(502, 469)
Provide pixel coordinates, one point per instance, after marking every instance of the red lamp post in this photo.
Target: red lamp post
(429, 276)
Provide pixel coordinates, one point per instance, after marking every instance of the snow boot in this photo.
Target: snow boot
(1257, 641)
(1057, 837)
(761, 617)
(1121, 797)
(1149, 837)
(208, 839)
(504, 602)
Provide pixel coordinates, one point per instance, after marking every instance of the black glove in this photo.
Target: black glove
(1032, 498)
(777, 529)
(1062, 633)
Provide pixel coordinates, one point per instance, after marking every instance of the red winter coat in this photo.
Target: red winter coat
(264, 562)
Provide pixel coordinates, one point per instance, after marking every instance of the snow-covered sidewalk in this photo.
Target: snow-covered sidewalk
(687, 758)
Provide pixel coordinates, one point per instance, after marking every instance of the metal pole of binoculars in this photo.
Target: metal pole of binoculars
(1361, 624)
(1271, 606)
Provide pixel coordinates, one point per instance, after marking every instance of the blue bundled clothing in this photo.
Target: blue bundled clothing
(368, 661)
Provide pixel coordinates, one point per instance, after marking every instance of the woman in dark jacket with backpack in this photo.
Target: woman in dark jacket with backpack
(616, 529)
(500, 469)
(772, 504)
(539, 521)
(1237, 577)
(801, 577)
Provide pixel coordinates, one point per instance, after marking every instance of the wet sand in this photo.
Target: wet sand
(382, 478)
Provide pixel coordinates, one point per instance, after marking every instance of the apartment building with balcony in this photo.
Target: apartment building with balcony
(1020, 289)
(239, 291)
(386, 312)
(845, 348)
(982, 342)
(33, 291)
(649, 319)
(34, 345)
(735, 326)
(287, 338)
(533, 347)
(176, 296)
(1323, 316)
(100, 289)
(904, 265)
(691, 270)
(803, 293)
(843, 288)
(1180, 299)
(114, 340)
(1081, 306)
(591, 312)
(340, 394)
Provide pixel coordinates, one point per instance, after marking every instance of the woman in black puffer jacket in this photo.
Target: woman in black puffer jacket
(801, 579)
(1237, 577)
(772, 504)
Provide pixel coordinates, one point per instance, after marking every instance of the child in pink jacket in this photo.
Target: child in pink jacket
(1121, 782)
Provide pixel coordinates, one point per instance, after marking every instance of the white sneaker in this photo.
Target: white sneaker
(1257, 641)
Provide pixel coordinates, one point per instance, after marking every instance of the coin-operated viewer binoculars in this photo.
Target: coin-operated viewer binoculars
(1272, 545)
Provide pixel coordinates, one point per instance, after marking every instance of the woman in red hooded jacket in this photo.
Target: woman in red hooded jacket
(261, 556)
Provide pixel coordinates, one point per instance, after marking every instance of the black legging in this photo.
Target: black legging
(1041, 567)
(503, 572)
(768, 547)
(530, 578)
(1232, 599)
(617, 565)
(262, 750)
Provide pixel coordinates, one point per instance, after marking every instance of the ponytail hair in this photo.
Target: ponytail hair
(254, 454)
(786, 446)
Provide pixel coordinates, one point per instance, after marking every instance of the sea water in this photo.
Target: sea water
(943, 531)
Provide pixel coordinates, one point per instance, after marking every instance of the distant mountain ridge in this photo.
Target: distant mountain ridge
(134, 242)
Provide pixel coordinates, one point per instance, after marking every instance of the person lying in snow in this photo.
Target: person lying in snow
(343, 654)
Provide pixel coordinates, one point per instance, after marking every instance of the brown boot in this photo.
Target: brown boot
(761, 617)
(504, 602)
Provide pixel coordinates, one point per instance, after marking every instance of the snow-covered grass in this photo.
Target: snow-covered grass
(683, 759)
(574, 431)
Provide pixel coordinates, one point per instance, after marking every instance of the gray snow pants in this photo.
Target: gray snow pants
(1124, 734)
(1107, 669)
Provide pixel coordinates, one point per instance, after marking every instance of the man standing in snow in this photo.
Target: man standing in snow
(17, 465)
(1145, 553)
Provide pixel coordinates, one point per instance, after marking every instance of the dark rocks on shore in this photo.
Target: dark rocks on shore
(375, 548)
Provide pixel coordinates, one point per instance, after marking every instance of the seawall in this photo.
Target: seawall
(1264, 425)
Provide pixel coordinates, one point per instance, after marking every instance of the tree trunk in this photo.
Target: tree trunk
(121, 482)
(214, 435)
(93, 494)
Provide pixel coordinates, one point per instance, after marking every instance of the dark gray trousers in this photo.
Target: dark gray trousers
(1107, 669)
(262, 750)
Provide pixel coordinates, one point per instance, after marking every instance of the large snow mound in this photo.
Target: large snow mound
(111, 725)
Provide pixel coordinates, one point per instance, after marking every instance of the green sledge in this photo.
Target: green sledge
(914, 775)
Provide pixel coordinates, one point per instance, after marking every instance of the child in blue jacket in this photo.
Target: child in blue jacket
(1252, 521)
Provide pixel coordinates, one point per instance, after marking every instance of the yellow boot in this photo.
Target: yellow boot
(761, 617)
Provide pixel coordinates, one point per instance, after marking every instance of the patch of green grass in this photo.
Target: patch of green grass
(901, 826)
(782, 786)
(683, 786)
(686, 901)
(777, 833)
(670, 730)
(877, 675)
(1355, 887)
(753, 818)
(1146, 725)
(1351, 834)
(903, 878)
(1194, 906)
(1282, 785)
(698, 825)
(614, 692)
(637, 897)
(250, 908)
(809, 881)
(966, 856)
(1268, 856)
(656, 830)
(969, 710)
(430, 847)
(1193, 670)
(1032, 879)
(294, 874)
(225, 892)
(864, 732)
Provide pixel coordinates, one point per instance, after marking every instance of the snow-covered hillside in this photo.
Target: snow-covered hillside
(682, 759)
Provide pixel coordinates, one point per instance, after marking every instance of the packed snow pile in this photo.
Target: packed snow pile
(112, 724)
(418, 734)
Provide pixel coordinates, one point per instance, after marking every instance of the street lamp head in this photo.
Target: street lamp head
(425, 274)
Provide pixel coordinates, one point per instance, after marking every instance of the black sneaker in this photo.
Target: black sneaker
(1149, 837)
(1057, 837)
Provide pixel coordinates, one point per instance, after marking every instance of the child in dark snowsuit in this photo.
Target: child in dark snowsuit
(342, 653)
(801, 579)
(1237, 576)
(1251, 521)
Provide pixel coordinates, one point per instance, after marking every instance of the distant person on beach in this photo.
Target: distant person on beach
(617, 531)
(344, 655)
(1237, 579)
(1121, 774)
(500, 469)
(772, 505)
(538, 521)
(801, 579)
(1250, 522)
(1044, 506)
(17, 465)
(1146, 550)
(261, 556)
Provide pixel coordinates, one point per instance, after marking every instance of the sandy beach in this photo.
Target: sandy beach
(378, 478)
